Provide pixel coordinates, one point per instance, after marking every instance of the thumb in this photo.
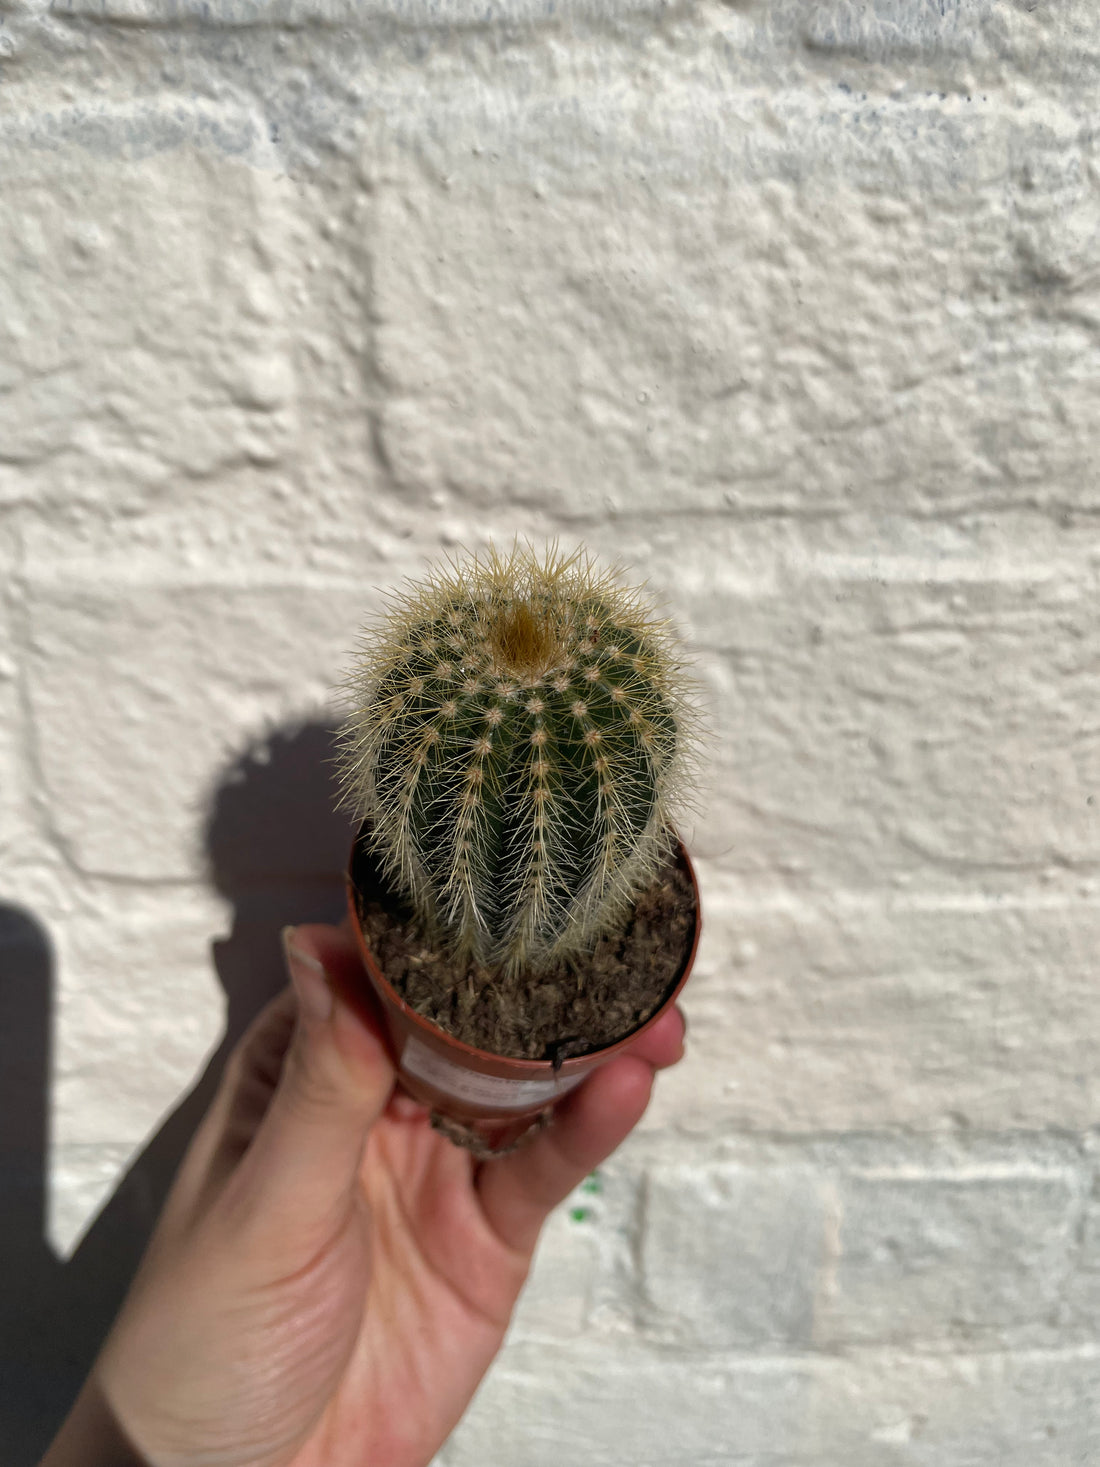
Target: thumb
(300, 1173)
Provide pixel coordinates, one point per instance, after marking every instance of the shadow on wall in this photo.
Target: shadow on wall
(277, 851)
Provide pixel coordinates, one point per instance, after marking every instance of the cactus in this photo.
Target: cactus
(521, 728)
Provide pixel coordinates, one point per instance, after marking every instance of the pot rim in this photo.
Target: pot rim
(469, 1055)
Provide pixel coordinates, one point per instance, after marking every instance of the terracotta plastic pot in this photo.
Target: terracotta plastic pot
(498, 1098)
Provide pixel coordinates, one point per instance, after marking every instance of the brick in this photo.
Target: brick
(152, 350)
(964, 49)
(768, 319)
(144, 698)
(730, 1256)
(886, 700)
(1025, 1409)
(1082, 1294)
(137, 1009)
(318, 507)
(825, 1251)
(878, 30)
(925, 725)
(609, 1402)
(970, 1258)
(865, 1013)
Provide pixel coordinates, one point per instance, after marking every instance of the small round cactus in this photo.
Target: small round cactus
(521, 728)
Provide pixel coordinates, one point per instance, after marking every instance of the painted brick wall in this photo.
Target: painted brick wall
(792, 306)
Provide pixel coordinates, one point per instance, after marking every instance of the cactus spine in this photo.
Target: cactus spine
(520, 729)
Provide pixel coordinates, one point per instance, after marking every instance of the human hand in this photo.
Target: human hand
(331, 1278)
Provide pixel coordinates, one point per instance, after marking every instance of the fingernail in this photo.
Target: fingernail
(308, 977)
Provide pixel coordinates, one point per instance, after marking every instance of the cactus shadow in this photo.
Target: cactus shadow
(277, 850)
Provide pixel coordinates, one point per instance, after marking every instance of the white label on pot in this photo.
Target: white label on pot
(461, 1084)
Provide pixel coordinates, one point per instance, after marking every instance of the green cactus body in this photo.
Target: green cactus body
(519, 729)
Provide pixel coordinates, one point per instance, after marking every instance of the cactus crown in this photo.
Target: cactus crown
(520, 727)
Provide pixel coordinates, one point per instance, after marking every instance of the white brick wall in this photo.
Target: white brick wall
(794, 307)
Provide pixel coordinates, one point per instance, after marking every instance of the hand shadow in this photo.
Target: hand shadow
(277, 849)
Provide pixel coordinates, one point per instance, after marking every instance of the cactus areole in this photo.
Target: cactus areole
(520, 735)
